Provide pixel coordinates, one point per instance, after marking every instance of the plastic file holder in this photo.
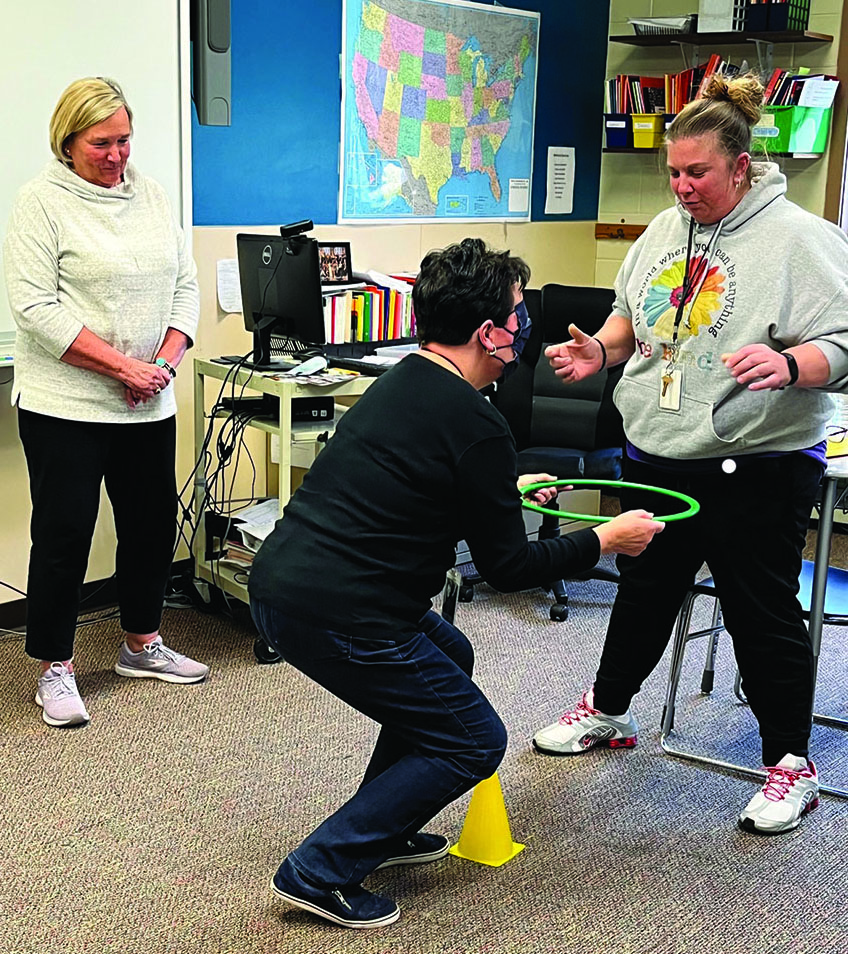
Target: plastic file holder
(777, 15)
(619, 130)
(756, 17)
(792, 15)
(648, 130)
(794, 129)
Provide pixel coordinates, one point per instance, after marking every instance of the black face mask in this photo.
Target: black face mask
(519, 339)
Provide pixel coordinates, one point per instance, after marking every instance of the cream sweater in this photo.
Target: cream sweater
(110, 260)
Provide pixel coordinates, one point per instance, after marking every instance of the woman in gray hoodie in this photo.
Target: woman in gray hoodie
(730, 312)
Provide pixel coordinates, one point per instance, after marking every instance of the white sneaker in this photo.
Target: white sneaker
(157, 661)
(583, 728)
(59, 698)
(790, 791)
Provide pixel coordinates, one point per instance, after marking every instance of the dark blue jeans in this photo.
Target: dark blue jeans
(439, 735)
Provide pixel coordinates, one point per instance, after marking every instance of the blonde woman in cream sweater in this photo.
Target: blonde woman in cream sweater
(104, 294)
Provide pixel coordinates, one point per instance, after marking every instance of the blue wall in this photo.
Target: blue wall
(278, 161)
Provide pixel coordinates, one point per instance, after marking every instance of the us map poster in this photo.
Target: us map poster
(438, 108)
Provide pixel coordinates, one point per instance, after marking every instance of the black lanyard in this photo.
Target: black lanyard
(689, 282)
(687, 285)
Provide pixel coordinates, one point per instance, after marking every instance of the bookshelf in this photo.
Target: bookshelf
(298, 444)
(765, 41)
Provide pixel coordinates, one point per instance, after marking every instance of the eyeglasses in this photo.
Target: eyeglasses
(836, 432)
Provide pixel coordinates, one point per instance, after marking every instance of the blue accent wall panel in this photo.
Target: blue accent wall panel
(278, 161)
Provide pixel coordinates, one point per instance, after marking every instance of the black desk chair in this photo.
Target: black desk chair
(567, 430)
(576, 429)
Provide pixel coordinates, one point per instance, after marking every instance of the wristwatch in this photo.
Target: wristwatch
(162, 363)
(792, 364)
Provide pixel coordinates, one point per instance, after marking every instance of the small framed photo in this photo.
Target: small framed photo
(334, 260)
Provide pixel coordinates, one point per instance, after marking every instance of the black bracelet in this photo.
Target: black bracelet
(604, 355)
(792, 364)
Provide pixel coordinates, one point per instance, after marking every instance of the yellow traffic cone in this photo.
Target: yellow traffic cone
(486, 837)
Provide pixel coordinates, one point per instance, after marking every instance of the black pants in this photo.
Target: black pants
(750, 531)
(67, 462)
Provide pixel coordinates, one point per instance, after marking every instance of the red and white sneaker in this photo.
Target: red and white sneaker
(790, 791)
(584, 727)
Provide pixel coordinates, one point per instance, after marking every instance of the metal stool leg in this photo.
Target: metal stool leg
(681, 633)
(450, 594)
(681, 637)
(737, 688)
(708, 675)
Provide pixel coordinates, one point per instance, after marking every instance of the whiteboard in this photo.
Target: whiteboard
(47, 44)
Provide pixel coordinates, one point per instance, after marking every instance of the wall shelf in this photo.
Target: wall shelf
(725, 39)
(765, 41)
(633, 151)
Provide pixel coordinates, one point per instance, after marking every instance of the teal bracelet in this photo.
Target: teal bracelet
(162, 363)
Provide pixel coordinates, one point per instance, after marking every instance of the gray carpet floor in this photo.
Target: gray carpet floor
(157, 827)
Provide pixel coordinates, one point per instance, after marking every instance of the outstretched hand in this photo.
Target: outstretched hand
(576, 359)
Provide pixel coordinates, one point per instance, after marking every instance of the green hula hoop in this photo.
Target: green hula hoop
(692, 504)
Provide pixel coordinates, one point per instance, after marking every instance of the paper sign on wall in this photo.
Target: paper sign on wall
(559, 198)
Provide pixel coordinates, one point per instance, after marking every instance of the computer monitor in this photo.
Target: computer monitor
(281, 296)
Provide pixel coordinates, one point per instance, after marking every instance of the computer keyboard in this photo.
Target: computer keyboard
(370, 364)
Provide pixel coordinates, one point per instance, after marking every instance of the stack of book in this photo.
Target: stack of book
(684, 87)
(237, 556)
(380, 311)
(786, 88)
(634, 94)
(662, 94)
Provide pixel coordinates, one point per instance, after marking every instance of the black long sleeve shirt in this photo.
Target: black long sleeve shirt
(420, 462)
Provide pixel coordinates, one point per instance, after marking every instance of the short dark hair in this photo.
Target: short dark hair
(460, 287)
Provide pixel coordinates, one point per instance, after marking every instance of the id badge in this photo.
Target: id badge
(671, 389)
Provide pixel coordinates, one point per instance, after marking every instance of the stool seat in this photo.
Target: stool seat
(836, 595)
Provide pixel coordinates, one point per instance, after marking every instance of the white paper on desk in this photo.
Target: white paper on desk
(818, 93)
(229, 289)
(559, 199)
(258, 520)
